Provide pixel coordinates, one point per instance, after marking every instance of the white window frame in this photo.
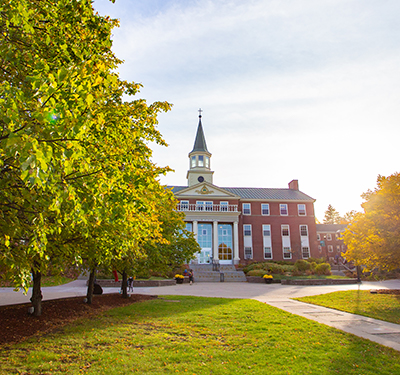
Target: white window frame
(223, 206)
(288, 230)
(318, 237)
(248, 230)
(328, 237)
(200, 205)
(248, 252)
(299, 211)
(338, 248)
(330, 248)
(245, 209)
(208, 205)
(306, 230)
(288, 250)
(184, 205)
(193, 162)
(266, 228)
(285, 206)
(268, 252)
(307, 254)
(265, 209)
(200, 161)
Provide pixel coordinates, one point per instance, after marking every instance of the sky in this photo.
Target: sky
(294, 89)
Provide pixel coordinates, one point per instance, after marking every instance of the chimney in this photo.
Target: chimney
(294, 185)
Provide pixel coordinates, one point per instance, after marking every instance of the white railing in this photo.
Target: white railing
(207, 207)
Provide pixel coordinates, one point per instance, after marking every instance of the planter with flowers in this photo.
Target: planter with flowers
(268, 279)
(179, 279)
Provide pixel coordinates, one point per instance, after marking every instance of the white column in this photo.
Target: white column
(236, 258)
(195, 232)
(215, 240)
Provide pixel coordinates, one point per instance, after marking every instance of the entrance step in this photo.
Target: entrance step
(226, 273)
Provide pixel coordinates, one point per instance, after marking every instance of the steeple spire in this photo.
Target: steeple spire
(199, 159)
(200, 141)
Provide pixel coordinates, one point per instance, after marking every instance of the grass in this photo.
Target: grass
(362, 302)
(46, 281)
(194, 335)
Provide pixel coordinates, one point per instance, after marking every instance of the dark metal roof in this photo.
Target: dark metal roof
(325, 228)
(260, 193)
(200, 141)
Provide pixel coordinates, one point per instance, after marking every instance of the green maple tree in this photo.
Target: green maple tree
(77, 185)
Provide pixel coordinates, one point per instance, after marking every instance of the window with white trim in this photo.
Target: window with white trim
(247, 229)
(267, 252)
(318, 237)
(338, 248)
(330, 248)
(287, 254)
(200, 162)
(246, 208)
(301, 209)
(248, 253)
(209, 206)
(264, 209)
(193, 161)
(329, 237)
(223, 206)
(285, 230)
(200, 206)
(320, 248)
(303, 231)
(283, 209)
(184, 205)
(207, 162)
(305, 252)
(266, 230)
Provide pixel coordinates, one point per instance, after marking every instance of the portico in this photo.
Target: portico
(217, 235)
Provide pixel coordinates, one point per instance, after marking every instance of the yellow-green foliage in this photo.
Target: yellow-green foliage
(323, 269)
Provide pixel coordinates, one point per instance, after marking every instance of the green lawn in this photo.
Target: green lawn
(46, 281)
(361, 302)
(194, 335)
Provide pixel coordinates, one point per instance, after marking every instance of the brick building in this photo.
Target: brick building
(331, 244)
(237, 224)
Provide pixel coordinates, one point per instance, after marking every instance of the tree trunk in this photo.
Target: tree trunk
(90, 288)
(36, 298)
(124, 284)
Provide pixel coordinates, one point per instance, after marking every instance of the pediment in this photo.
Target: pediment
(205, 189)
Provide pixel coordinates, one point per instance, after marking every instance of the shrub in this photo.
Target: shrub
(297, 273)
(316, 260)
(323, 269)
(302, 265)
(260, 273)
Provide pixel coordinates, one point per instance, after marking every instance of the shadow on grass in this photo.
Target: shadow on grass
(202, 336)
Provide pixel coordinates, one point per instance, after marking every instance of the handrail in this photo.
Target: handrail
(207, 207)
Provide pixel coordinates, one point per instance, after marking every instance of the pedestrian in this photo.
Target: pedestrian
(130, 284)
(190, 276)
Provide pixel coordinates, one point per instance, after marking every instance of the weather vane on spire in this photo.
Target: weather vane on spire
(200, 110)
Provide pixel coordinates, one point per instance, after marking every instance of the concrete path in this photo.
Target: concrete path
(276, 295)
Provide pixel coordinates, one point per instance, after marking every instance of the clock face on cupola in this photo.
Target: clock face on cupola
(199, 159)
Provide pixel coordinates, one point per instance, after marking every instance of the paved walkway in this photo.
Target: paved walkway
(276, 295)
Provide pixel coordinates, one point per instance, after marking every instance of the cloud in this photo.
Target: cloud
(305, 90)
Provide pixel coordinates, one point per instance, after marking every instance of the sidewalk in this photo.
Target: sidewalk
(276, 295)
